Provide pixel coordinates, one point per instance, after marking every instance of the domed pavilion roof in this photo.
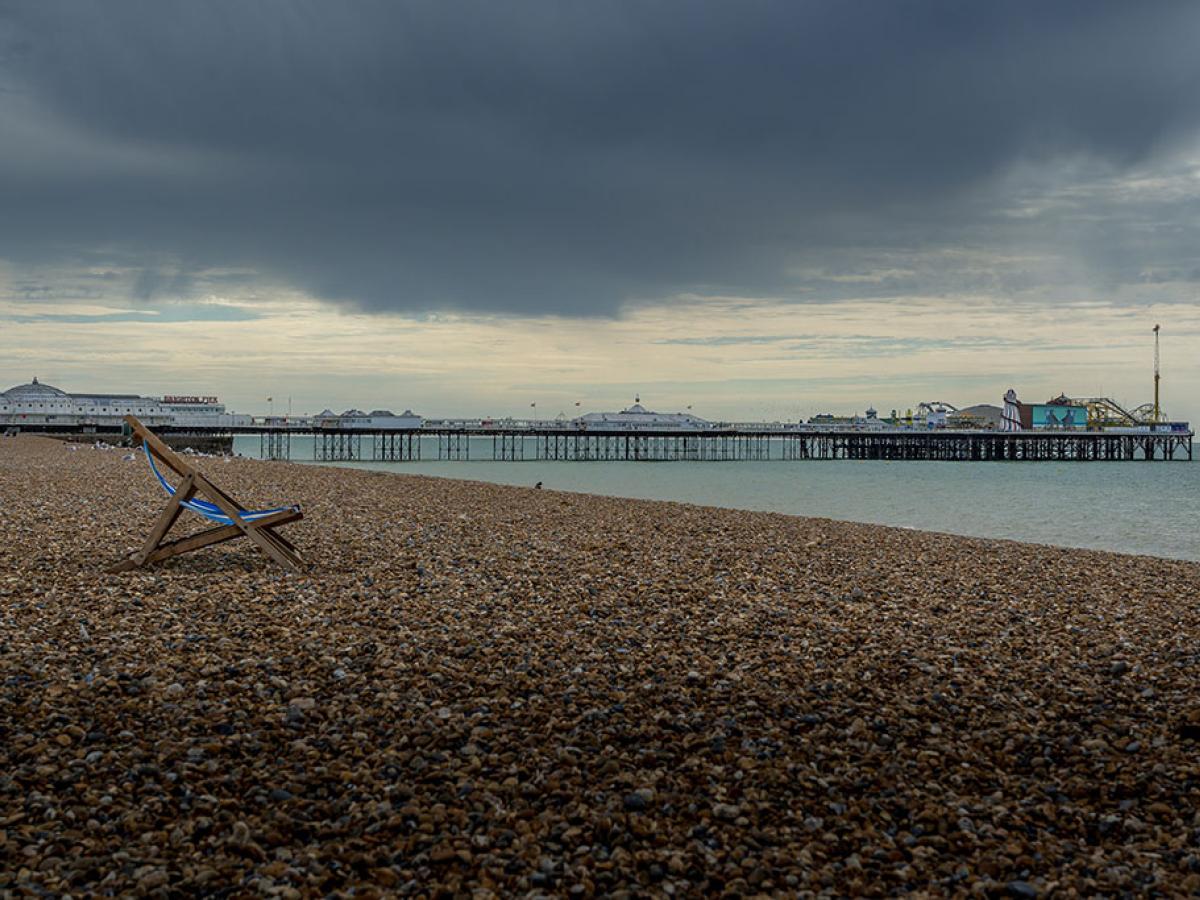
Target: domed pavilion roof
(33, 391)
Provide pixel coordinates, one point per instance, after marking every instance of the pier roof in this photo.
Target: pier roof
(33, 391)
(638, 416)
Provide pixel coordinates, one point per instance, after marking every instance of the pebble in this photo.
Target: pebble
(634, 803)
(496, 691)
(726, 812)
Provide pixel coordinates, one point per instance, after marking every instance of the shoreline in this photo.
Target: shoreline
(398, 468)
(481, 688)
(758, 512)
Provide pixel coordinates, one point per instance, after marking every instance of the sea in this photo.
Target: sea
(1149, 508)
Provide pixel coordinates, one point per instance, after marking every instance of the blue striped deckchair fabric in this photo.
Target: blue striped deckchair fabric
(203, 507)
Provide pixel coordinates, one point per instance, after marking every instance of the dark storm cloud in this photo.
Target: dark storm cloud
(556, 156)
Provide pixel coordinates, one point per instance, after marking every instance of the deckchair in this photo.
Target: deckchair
(230, 519)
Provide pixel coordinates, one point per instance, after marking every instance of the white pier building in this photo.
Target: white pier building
(37, 405)
(638, 418)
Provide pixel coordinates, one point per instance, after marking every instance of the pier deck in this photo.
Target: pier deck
(516, 445)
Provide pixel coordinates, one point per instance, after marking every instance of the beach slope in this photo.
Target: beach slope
(481, 688)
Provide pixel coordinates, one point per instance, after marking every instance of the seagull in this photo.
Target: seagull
(128, 457)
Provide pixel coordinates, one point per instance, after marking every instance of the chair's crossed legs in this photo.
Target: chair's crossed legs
(261, 531)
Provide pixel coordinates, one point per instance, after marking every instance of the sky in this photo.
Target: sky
(761, 210)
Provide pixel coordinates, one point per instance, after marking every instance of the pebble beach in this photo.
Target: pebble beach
(481, 690)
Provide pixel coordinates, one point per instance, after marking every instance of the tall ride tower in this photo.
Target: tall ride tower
(1157, 408)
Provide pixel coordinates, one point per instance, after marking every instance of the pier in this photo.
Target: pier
(586, 445)
(744, 443)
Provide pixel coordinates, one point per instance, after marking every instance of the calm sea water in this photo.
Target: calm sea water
(1146, 508)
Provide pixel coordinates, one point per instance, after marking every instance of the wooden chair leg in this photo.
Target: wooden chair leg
(293, 557)
(269, 532)
(207, 538)
(270, 529)
(264, 540)
(166, 520)
(280, 554)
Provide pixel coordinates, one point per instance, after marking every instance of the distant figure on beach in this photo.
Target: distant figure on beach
(538, 486)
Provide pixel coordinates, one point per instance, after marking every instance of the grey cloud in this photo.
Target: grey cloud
(150, 283)
(571, 157)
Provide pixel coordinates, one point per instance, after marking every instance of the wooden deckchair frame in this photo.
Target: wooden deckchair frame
(261, 531)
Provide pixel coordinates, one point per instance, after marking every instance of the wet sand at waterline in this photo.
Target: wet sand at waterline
(490, 688)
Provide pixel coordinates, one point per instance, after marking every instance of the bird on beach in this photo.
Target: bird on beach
(538, 486)
(128, 457)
